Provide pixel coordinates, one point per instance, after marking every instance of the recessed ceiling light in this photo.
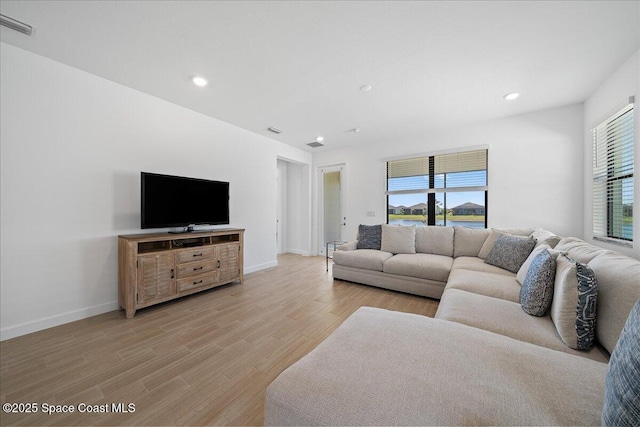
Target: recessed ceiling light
(320, 139)
(199, 81)
(365, 88)
(511, 96)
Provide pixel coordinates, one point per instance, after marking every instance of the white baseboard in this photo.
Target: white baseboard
(58, 319)
(259, 267)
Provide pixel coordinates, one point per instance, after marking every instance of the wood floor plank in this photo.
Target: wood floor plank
(206, 359)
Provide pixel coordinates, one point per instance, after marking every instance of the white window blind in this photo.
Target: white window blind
(613, 169)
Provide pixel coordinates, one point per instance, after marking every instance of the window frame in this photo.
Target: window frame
(608, 156)
(433, 190)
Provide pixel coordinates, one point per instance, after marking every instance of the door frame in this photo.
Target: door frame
(320, 171)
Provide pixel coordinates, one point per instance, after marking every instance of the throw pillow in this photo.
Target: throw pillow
(536, 293)
(510, 252)
(573, 309)
(622, 383)
(398, 239)
(369, 236)
(522, 273)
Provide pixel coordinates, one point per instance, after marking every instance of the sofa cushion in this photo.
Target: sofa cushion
(425, 266)
(578, 249)
(398, 239)
(488, 244)
(478, 264)
(369, 236)
(433, 373)
(544, 236)
(483, 283)
(537, 289)
(505, 318)
(434, 240)
(618, 289)
(368, 259)
(468, 241)
(574, 304)
(622, 384)
(510, 252)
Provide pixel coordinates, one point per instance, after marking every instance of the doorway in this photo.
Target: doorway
(333, 220)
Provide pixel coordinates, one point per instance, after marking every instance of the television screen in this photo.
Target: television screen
(175, 201)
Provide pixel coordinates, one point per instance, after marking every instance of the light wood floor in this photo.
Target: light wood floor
(206, 359)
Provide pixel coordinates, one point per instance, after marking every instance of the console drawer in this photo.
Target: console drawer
(198, 254)
(196, 281)
(195, 268)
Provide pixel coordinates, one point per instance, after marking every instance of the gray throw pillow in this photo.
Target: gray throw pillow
(369, 236)
(510, 252)
(536, 293)
(622, 384)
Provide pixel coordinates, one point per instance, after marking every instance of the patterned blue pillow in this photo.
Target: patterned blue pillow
(510, 252)
(369, 236)
(622, 385)
(536, 293)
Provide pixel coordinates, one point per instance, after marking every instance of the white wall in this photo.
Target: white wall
(72, 148)
(535, 170)
(296, 223)
(609, 98)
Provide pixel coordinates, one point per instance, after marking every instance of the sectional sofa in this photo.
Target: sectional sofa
(483, 360)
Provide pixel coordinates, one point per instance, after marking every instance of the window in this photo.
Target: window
(613, 144)
(445, 189)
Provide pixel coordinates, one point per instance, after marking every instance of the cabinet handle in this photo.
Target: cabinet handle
(172, 276)
(200, 254)
(218, 264)
(197, 268)
(198, 282)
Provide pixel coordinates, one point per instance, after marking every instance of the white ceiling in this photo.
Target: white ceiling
(298, 66)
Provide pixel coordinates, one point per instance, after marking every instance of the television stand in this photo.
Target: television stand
(159, 267)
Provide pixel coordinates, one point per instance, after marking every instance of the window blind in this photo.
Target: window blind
(462, 171)
(613, 170)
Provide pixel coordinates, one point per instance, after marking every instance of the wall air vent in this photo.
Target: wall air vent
(15, 25)
(315, 144)
(274, 130)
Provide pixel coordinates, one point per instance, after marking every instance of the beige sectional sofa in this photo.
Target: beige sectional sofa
(481, 361)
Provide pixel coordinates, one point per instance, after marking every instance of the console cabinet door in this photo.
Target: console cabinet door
(229, 267)
(156, 277)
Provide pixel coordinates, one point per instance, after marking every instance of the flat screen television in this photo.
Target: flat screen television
(177, 201)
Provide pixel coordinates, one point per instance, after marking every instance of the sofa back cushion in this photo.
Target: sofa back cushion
(468, 241)
(434, 240)
(398, 239)
(544, 236)
(618, 289)
(577, 249)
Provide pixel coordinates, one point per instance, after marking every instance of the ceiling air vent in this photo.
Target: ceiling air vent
(274, 130)
(15, 25)
(315, 144)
